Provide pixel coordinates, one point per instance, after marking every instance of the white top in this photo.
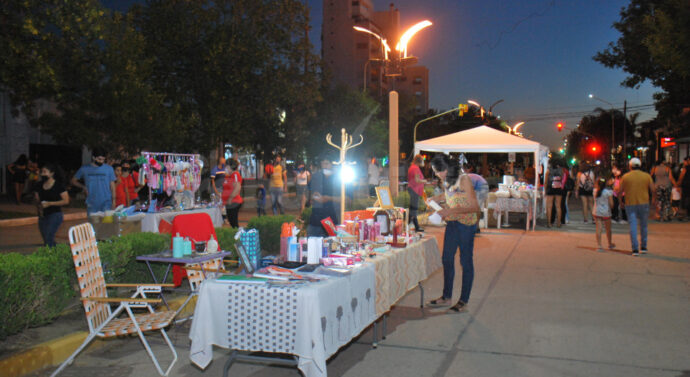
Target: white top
(601, 204)
(373, 174)
(303, 178)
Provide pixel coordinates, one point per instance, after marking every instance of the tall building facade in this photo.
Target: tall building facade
(354, 58)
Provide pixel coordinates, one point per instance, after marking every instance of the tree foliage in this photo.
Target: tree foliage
(173, 75)
(655, 46)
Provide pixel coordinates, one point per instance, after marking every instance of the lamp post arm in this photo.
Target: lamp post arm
(414, 139)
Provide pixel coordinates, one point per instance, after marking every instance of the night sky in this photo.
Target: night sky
(535, 55)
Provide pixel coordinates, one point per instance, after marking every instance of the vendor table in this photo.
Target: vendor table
(150, 222)
(308, 320)
(166, 257)
(512, 205)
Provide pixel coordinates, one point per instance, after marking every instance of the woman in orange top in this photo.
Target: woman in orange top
(460, 213)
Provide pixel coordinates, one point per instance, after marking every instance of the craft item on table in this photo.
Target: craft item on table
(242, 279)
(278, 273)
(178, 246)
(293, 250)
(339, 260)
(152, 206)
(328, 226)
(250, 241)
(314, 249)
(187, 246)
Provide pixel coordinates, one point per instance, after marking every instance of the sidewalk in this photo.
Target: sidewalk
(543, 304)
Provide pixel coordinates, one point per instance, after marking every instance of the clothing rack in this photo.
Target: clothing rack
(190, 173)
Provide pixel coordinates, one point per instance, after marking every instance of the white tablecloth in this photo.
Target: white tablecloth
(512, 205)
(151, 220)
(311, 321)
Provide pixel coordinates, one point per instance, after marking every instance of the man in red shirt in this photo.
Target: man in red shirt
(415, 187)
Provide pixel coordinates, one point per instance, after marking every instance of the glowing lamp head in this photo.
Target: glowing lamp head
(347, 174)
(559, 125)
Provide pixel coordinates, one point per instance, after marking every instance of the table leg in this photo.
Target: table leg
(383, 333)
(155, 281)
(375, 341)
(421, 296)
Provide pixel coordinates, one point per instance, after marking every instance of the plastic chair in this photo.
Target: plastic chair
(198, 227)
(102, 320)
(490, 204)
(196, 274)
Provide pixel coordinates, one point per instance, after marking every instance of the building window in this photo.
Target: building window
(418, 94)
(417, 80)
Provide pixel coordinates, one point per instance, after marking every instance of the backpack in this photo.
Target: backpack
(588, 185)
(556, 180)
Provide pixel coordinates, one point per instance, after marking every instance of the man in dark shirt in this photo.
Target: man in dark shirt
(323, 200)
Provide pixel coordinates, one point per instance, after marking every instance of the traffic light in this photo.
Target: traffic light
(559, 125)
(594, 148)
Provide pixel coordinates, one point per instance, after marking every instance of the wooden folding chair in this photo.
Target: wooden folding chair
(196, 274)
(102, 320)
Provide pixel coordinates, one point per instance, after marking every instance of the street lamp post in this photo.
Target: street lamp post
(613, 134)
(514, 130)
(414, 137)
(400, 59)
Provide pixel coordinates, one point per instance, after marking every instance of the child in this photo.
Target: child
(601, 211)
(675, 201)
(260, 200)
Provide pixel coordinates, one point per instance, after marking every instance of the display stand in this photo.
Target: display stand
(183, 170)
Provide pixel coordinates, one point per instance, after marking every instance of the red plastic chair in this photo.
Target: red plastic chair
(198, 227)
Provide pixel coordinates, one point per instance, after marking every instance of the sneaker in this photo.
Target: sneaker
(643, 250)
(635, 253)
(600, 249)
(612, 246)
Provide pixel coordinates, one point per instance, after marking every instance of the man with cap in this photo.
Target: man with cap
(637, 185)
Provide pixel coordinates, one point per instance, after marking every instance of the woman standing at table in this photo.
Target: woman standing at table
(231, 191)
(460, 213)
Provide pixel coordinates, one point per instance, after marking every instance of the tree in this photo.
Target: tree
(654, 45)
(234, 67)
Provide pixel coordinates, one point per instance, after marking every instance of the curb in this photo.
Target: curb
(55, 351)
(34, 219)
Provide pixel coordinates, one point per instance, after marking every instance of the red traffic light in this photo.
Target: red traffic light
(559, 125)
(594, 148)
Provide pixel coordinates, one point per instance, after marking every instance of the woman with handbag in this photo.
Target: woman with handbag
(460, 208)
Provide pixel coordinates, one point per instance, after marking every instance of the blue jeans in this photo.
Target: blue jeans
(277, 199)
(48, 225)
(638, 212)
(458, 235)
(103, 206)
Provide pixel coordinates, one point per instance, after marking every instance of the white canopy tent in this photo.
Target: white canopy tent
(485, 139)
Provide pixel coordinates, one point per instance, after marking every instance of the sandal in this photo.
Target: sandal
(460, 306)
(612, 246)
(441, 301)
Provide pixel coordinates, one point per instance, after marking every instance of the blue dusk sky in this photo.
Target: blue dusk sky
(535, 55)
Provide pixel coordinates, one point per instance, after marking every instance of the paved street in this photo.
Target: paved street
(544, 303)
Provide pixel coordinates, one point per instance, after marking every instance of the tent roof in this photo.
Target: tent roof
(479, 139)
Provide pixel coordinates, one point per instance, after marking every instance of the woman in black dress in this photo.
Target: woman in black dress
(17, 170)
(51, 194)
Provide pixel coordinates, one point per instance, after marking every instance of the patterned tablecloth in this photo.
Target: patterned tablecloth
(311, 320)
(151, 220)
(512, 205)
(400, 270)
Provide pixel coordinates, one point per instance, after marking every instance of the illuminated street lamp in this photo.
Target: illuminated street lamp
(397, 63)
(514, 130)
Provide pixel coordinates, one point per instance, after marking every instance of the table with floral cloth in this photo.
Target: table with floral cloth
(309, 320)
(512, 205)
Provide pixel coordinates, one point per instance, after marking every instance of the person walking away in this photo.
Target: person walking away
(555, 181)
(302, 179)
(131, 179)
(218, 178)
(636, 185)
(460, 213)
(50, 195)
(260, 200)
(323, 201)
(618, 211)
(663, 181)
(567, 191)
(99, 183)
(584, 188)
(233, 187)
(603, 202)
(374, 173)
(415, 188)
(18, 172)
(121, 189)
(684, 183)
(278, 186)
